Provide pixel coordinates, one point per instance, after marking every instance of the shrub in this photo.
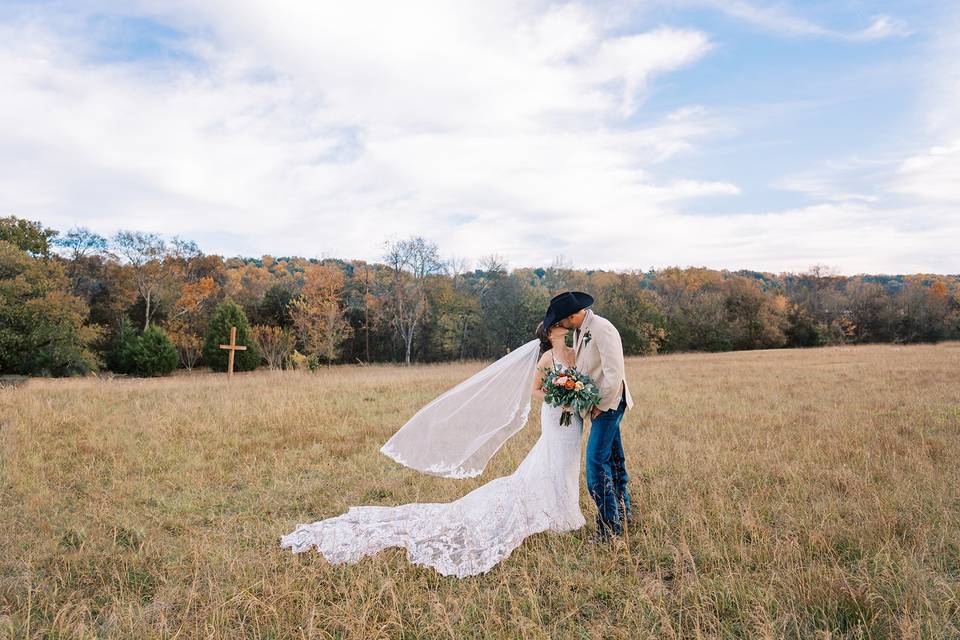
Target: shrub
(298, 361)
(189, 348)
(154, 353)
(275, 344)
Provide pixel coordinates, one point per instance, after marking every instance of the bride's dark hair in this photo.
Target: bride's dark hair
(543, 333)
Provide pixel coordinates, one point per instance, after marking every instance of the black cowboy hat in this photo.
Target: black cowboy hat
(565, 304)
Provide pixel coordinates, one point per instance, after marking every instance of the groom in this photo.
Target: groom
(600, 355)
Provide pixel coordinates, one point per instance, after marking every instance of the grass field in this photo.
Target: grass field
(798, 494)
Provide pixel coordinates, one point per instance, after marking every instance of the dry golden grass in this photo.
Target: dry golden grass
(799, 494)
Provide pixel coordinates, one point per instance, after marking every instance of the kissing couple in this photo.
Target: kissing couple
(456, 434)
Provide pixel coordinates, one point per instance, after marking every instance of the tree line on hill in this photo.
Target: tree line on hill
(142, 304)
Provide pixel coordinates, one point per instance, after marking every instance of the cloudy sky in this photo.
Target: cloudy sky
(720, 133)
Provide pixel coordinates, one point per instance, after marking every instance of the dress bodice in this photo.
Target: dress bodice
(556, 363)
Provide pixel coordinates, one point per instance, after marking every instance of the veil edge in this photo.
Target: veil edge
(414, 445)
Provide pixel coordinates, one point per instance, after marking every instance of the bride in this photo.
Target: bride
(454, 436)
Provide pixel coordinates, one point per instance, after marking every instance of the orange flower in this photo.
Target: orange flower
(569, 384)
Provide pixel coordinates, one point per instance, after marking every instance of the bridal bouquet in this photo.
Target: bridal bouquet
(570, 389)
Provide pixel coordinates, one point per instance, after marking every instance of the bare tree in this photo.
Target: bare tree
(558, 275)
(144, 252)
(368, 301)
(80, 243)
(456, 267)
(412, 262)
(493, 265)
(184, 249)
(824, 298)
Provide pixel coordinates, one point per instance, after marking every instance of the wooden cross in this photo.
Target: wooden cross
(233, 347)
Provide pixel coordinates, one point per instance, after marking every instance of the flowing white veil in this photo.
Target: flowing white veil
(457, 433)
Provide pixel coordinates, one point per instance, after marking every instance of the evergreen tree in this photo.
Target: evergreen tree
(120, 357)
(154, 353)
(229, 314)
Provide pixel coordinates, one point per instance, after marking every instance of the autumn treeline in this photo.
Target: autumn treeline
(69, 301)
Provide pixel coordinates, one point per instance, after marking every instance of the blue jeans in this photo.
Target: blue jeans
(606, 471)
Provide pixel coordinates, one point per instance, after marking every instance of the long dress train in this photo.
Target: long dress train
(471, 534)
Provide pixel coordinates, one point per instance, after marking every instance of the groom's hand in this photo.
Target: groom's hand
(594, 413)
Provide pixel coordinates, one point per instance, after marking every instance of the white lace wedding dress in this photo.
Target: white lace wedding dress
(472, 534)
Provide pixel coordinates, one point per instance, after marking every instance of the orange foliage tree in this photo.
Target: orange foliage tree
(317, 314)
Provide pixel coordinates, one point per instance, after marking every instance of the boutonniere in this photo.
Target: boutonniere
(587, 338)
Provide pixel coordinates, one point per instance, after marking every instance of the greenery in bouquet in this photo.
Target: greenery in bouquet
(571, 389)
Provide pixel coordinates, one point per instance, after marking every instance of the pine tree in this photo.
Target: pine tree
(123, 348)
(154, 353)
(229, 314)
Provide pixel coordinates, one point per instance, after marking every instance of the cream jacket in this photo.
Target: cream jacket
(600, 355)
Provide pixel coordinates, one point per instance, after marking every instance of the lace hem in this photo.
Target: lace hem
(452, 549)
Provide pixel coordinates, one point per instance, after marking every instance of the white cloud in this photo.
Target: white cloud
(932, 175)
(774, 17)
(632, 60)
(882, 27)
(318, 130)
(854, 179)
(768, 17)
